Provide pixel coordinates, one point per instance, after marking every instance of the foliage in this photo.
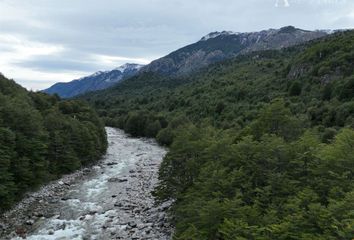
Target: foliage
(261, 146)
(42, 138)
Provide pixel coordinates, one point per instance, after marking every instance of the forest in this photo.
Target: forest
(42, 138)
(261, 145)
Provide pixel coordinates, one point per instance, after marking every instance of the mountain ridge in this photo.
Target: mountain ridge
(217, 46)
(96, 81)
(211, 48)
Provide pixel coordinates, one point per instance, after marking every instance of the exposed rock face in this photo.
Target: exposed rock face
(97, 81)
(298, 71)
(218, 46)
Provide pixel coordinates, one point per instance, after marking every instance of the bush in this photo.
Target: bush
(347, 91)
(295, 89)
(152, 129)
(165, 136)
(135, 124)
(328, 135)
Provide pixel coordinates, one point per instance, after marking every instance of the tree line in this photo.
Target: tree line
(41, 138)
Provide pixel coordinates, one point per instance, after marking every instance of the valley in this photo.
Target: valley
(259, 128)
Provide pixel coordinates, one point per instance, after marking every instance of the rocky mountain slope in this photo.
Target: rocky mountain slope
(217, 46)
(214, 47)
(97, 81)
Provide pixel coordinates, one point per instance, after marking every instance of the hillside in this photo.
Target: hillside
(261, 145)
(308, 74)
(41, 138)
(97, 81)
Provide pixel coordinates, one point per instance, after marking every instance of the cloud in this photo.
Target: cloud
(43, 41)
(71, 60)
(113, 60)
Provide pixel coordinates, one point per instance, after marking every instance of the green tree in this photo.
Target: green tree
(7, 154)
(276, 119)
(135, 124)
(295, 89)
(152, 128)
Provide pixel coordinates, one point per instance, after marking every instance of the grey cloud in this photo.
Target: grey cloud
(49, 64)
(151, 28)
(35, 84)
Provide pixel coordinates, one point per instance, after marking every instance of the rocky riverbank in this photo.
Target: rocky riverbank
(21, 219)
(111, 200)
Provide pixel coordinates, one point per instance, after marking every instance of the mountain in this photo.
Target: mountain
(97, 81)
(262, 144)
(214, 47)
(217, 46)
(320, 67)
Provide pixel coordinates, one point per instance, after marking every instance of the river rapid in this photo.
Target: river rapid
(111, 200)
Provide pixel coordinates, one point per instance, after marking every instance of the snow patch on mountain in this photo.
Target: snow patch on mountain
(97, 81)
(217, 34)
(96, 74)
(129, 66)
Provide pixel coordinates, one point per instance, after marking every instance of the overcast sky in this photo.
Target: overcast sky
(48, 41)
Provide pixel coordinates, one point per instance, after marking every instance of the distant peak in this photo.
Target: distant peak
(97, 73)
(217, 34)
(331, 31)
(288, 29)
(129, 66)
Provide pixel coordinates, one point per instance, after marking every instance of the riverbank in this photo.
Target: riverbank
(22, 218)
(111, 200)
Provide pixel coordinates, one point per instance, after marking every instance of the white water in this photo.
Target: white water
(89, 212)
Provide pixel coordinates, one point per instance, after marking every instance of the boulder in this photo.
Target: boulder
(30, 222)
(132, 224)
(21, 232)
(118, 204)
(117, 180)
(111, 163)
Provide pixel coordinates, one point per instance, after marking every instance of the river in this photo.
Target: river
(111, 200)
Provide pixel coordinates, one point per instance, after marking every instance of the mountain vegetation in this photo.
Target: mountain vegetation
(261, 145)
(41, 138)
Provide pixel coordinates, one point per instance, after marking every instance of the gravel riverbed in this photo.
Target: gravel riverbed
(111, 200)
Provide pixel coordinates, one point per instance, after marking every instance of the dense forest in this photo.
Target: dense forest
(41, 138)
(261, 146)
